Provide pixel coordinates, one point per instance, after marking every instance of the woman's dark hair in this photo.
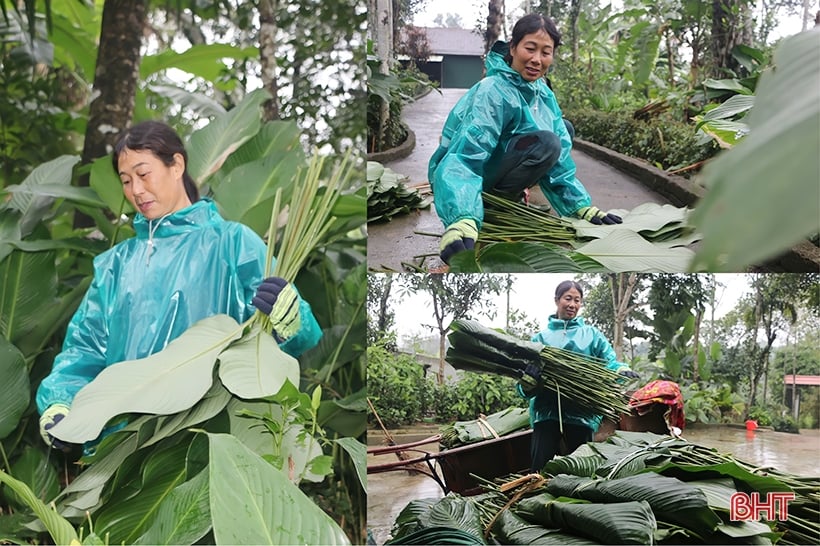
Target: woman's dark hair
(565, 286)
(530, 24)
(163, 142)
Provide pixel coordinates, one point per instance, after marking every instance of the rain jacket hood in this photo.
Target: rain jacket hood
(149, 289)
(476, 134)
(577, 336)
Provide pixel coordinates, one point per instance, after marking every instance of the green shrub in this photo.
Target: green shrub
(396, 386)
(762, 415)
(475, 394)
(661, 141)
(785, 423)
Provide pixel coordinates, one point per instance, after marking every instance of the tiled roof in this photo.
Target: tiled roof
(802, 380)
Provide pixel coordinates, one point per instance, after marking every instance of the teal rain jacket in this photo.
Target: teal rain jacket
(149, 289)
(476, 133)
(572, 335)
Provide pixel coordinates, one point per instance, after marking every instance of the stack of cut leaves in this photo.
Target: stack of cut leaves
(387, 194)
(638, 488)
(492, 426)
(655, 223)
(508, 221)
(580, 378)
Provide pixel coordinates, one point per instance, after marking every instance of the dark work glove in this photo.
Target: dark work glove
(530, 377)
(53, 415)
(630, 374)
(596, 216)
(458, 237)
(278, 299)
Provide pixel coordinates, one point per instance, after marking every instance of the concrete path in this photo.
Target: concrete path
(392, 244)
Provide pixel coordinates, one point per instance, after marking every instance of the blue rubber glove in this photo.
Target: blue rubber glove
(53, 415)
(597, 216)
(458, 237)
(278, 299)
(630, 374)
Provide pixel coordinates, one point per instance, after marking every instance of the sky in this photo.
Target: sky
(534, 294)
(472, 10)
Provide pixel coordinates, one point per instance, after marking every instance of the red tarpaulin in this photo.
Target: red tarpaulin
(660, 392)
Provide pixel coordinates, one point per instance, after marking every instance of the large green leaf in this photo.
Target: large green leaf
(151, 384)
(136, 499)
(32, 469)
(347, 416)
(28, 283)
(627, 251)
(253, 503)
(201, 60)
(514, 257)
(16, 389)
(255, 366)
(214, 401)
(210, 146)
(59, 528)
(358, 453)
(617, 523)
(273, 137)
(646, 218)
(671, 499)
(781, 194)
(184, 516)
(31, 199)
(512, 529)
(108, 186)
(84, 196)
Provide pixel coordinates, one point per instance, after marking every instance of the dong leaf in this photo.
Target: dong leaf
(166, 382)
(627, 251)
(16, 389)
(358, 454)
(184, 516)
(28, 283)
(254, 503)
(255, 366)
(510, 528)
(60, 529)
(744, 183)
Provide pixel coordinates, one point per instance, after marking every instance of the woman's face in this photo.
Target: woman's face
(532, 56)
(568, 303)
(153, 188)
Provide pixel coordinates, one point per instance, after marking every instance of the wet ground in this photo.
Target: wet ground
(388, 493)
(390, 245)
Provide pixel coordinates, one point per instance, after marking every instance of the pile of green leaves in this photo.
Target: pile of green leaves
(467, 432)
(508, 221)
(634, 488)
(583, 379)
(387, 194)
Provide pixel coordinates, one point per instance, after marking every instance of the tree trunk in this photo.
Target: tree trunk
(383, 30)
(695, 364)
(115, 82)
(385, 296)
(622, 285)
(495, 23)
(267, 57)
(730, 27)
(574, 12)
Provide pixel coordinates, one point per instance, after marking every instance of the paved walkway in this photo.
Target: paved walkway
(392, 244)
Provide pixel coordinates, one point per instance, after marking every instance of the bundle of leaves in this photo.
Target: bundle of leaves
(494, 425)
(576, 377)
(635, 488)
(509, 221)
(387, 194)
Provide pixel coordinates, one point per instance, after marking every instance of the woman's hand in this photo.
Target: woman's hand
(597, 216)
(53, 415)
(458, 237)
(278, 299)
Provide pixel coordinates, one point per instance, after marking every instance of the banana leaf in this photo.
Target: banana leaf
(503, 342)
(454, 511)
(467, 432)
(512, 529)
(618, 523)
(671, 500)
(523, 257)
(408, 519)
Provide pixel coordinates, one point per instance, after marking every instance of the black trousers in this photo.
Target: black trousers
(547, 441)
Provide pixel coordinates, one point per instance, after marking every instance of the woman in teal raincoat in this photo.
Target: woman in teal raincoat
(186, 263)
(505, 135)
(572, 423)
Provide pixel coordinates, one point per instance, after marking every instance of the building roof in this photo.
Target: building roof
(454, 41)
(802, 380)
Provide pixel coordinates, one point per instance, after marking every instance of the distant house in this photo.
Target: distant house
(456, 57)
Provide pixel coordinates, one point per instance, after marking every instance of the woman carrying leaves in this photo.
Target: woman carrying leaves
(505, 135)
(185, 264)
(552, 421)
